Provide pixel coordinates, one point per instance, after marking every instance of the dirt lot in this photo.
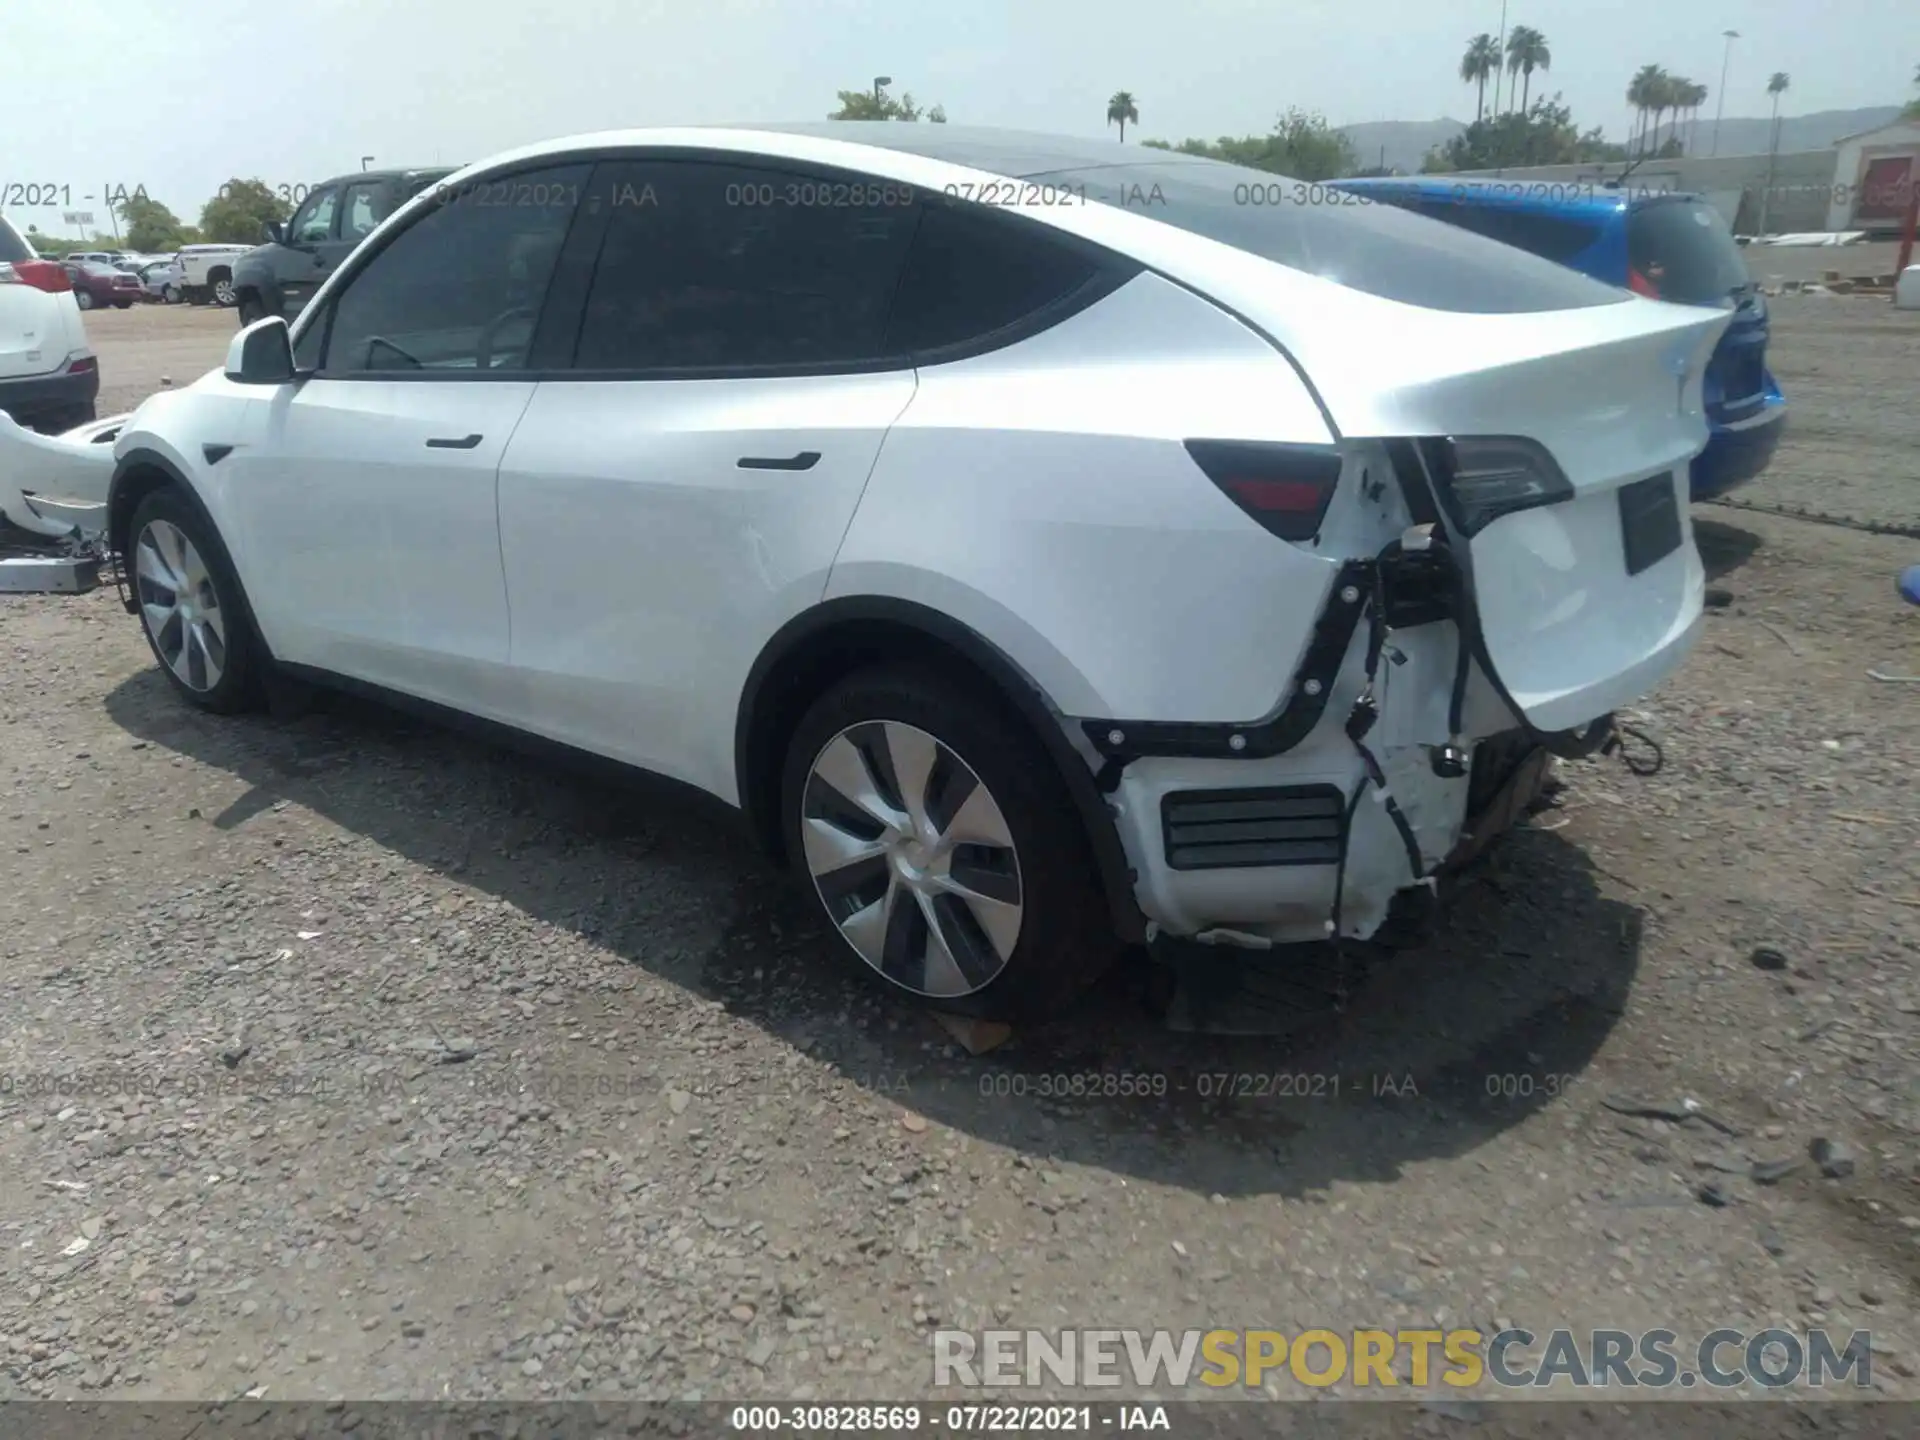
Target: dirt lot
(409, 1068)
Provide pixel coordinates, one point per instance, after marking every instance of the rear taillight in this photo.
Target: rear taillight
(1285, 487)
(40, 274)
(1482, 477)
(1641, 285)
(83, 365)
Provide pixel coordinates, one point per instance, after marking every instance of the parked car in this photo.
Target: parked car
(1670, 245)
(49, 376)
(163, 280)
(281, 276)
(1012, 528)
(206, 272)
(98, 257)
(96, 284)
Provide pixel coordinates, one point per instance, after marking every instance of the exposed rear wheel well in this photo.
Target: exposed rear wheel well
(133, 487)
(802, 665)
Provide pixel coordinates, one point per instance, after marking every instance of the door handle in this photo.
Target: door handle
(805, 460)
(441, 443)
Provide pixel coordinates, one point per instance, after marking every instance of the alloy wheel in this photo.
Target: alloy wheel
(179, 606)
(223, 292)
(912, 858)
(83, 298)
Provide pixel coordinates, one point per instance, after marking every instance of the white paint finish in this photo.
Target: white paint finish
(1049, 481)
(65, 467)
(378, 556)
(1906, 291)
(608, 575)
(647, 570)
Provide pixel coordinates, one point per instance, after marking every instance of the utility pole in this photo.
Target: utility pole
(1721, 108)
(878, 81)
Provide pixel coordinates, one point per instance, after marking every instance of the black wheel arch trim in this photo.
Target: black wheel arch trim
(1122, 741)
(1015, 686)
(120, 517)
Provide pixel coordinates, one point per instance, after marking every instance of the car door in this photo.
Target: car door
(681, 492)
(367, 490)
(312, 250)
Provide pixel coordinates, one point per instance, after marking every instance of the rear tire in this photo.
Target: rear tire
(83, 299)
(251, 309)
(955, 874)
(223, 291)
(170, 294)
(190, 605)
(123, 304)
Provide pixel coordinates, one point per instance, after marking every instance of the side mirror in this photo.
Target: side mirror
(261, 354)
(272, 231)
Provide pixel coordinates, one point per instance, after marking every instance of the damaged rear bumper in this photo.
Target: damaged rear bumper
(53, 485)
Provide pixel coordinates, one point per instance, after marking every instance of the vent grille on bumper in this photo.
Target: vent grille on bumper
(1225, 829)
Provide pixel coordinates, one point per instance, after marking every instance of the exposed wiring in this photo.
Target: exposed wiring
(1650, 764)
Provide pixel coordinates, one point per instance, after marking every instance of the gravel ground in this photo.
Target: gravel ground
(407, 1068)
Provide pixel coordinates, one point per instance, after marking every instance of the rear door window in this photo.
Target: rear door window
(1681, 250)
(724, 269)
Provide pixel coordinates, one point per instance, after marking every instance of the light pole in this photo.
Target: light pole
(365, 160)
(1721, 108)
(878, 81)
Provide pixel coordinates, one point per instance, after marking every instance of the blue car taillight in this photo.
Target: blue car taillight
(1483, 477)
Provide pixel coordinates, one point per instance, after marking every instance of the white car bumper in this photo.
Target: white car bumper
(54, 484)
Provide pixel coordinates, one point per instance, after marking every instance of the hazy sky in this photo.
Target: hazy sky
(182, 96)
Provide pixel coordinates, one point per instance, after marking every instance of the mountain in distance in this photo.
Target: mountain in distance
(1406, 142)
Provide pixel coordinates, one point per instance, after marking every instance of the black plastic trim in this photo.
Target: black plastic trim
(1331, 805)
(216, 453)
(1017, 687)
(805, 460)
(1650, 528)
(1279, 732)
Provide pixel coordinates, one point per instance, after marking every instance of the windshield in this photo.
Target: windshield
(1681, 250)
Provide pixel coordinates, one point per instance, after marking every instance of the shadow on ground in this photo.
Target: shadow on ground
(1724, 548)
(1441, 1049)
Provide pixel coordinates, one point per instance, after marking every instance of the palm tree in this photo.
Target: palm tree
(1777, 86)
(1477, 65)
(1121, 109)
(1527, 52)
(1642, 91)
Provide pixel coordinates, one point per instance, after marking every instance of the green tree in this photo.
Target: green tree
(151, 227)
(865, 105)
(238, 214)
(1122, 110)
(1543, 135)
(1527, 52)
(1301, 146)
(1477, 67)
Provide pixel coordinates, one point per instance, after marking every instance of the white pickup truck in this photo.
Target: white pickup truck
(207, 272)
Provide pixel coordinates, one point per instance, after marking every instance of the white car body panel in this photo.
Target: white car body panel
(646, 569)
(54, 484)
(597, 569)
(1046, 501)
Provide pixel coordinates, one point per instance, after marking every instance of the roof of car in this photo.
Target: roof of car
(410, 173)
(1560, 197)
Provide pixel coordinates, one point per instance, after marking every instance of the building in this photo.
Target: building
(1873, 175)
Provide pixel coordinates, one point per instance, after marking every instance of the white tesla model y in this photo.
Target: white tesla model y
(1040, 541)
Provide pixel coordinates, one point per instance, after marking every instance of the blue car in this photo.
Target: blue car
(1668, 245)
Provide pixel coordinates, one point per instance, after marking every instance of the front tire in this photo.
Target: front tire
(190, 604)
(83, 299)
(942, 848)
(251, 309)
(123, 304)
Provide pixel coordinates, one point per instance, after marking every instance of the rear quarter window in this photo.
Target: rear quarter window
(12, 246)
(1685, 253)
